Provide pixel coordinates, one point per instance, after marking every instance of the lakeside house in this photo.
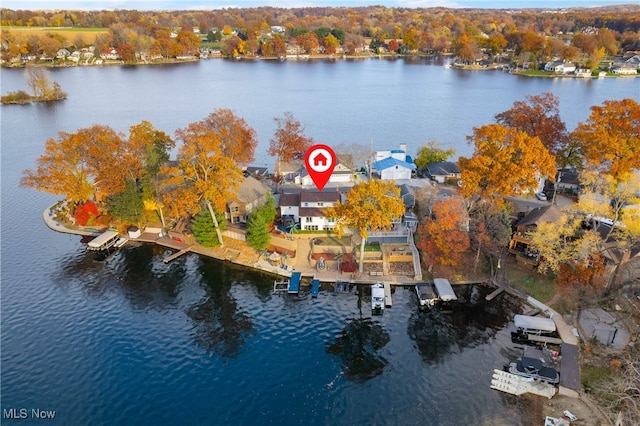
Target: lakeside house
(307, 209)
(560, 67)
(393, 164)
(520, 242)
(443, 171)
(250, 195)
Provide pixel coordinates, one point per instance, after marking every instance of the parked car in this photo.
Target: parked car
(541, 196)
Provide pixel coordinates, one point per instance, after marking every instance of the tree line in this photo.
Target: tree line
(528, 34)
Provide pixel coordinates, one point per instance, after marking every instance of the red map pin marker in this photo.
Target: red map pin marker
(320, 161)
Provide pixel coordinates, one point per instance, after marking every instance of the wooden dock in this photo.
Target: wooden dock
(387, 295)
(494, 294)
(175, 255)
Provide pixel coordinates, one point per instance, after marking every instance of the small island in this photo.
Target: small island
(41, 86)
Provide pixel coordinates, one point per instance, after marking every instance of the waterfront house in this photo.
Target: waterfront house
(560, 67)
(519, 245)
(307, 209)
(394, 164)
(443, 171)
(341, 174)
(250, 195)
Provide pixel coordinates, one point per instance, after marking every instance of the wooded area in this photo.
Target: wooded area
(586, 35)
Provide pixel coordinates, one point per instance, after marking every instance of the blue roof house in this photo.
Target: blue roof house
(394, 164)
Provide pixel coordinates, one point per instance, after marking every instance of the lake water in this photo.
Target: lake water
(134, 341)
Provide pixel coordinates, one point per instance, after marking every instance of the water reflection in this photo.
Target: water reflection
(357, 345)
(136, 272)
(470, 323)
(221, 327)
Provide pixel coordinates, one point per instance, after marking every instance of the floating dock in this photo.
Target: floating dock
(387, 295)
(315, 287)
(294, 283)
(516, 385)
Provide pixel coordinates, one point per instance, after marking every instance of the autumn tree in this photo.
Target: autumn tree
(331, 44)
(203, 174)
(505, 161)
(538, 116)
(370, 206)
(609, 141)
(490, 228)
(444, 236)
(238, 140)
(288, 142)
(432, 153)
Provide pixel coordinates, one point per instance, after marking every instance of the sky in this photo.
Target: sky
(220, 4)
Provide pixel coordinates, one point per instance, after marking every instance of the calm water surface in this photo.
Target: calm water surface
(134, 341)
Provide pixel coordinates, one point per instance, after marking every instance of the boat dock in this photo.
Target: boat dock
(175, 255)
(387, 295)
(294, 283)
(315, 287)
(516, 385)
(494, 294)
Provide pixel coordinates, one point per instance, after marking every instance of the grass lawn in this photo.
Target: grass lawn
(538, 286)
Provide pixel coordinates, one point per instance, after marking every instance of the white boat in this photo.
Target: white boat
(426, 295)
(377, 298)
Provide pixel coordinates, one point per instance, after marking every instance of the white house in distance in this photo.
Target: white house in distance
(341, 174)
(308, 209)
(560, 67)
(394, 164)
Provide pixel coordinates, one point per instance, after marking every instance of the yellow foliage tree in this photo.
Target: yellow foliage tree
(610, 139)
(369, 206)
(203, 173)
(505, 162)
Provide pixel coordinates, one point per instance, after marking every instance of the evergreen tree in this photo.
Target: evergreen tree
(259, 225)
(203, 229)
(127, 206)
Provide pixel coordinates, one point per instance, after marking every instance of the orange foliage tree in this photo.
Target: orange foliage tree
(538, 116)
(288, 142)
(205, 172)
(584, 276)
(369, 206)
(93, 159)
(443, 236)
(505, 161)
(610, 139)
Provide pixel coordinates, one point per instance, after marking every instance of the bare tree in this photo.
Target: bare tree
(38, 80)
(620, 394)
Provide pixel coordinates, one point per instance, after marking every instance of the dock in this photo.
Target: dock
(175, 255)
(387, 295)
(315, 287)
(280, 285)
(516, 385)
(294, 283)
(494, 294)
